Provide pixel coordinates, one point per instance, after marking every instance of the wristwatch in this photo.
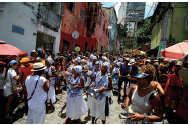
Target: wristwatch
(145, 118)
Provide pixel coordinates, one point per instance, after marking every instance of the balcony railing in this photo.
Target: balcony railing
(49, 19)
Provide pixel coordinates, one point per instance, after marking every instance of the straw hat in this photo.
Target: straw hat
(33, 51)
(38, 66)
(124, 55)
(183, 74)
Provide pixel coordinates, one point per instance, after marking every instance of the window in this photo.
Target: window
(88, 23)
(100, 17)
(94, 27)
(96, 8)
(104, 27)
(81, 15)
(71, 6)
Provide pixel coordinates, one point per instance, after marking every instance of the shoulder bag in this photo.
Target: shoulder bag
(15, 88)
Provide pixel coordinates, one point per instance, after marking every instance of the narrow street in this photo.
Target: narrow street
(59, 113)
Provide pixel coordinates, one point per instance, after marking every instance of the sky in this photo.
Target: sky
(148, 10)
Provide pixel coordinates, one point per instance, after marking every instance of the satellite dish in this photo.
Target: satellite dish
(75, 34)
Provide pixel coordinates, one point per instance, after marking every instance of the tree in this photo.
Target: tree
(143, 35)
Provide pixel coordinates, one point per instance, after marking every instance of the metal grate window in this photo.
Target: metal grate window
(81, 15)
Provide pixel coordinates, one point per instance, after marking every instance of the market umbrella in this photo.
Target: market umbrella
(176, 51)
(139, 53)
(135, 50)
(8, 51)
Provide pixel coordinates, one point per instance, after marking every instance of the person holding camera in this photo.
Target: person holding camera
(134, 69)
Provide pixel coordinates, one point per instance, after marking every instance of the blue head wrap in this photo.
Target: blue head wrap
(12, 62)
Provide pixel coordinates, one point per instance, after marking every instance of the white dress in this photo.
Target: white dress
(76, 106)
(51, 92)
(100, 104)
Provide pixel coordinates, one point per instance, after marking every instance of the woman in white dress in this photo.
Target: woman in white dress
(96, 70)
(51, 93)
(100, 103)
(11, 76)
(76, 106)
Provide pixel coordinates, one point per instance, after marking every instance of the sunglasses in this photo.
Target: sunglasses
(139, 78)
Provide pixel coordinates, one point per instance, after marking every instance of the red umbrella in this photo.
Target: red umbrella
(176, 51)
(10, 52)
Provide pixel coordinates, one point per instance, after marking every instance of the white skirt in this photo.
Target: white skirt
(75, 107)
(88, 81)
(7, 90)
(89, 102)
(51, 95)
(98, 108)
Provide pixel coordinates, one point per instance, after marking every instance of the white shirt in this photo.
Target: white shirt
(11, 73)
(40, 95)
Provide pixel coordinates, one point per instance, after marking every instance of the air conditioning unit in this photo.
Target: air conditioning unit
(1, 9)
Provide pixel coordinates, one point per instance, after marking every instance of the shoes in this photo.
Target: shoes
(118, 100)
(8, 117)
(50, 111)
(110, 101)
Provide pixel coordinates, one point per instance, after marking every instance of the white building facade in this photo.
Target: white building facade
(22, 22)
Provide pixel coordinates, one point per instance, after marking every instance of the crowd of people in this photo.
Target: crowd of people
(151, 86)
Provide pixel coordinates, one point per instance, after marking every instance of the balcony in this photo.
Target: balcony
(48, 18)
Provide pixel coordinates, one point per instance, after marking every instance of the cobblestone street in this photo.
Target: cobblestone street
(59, 114)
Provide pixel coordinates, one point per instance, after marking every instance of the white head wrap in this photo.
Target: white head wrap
(91, 56)
(118, 63)
(50, 60)
(79, 60)
(94, 57)
(107, 64)
(78, 69)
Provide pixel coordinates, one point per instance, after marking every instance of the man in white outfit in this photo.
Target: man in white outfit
(37, 87)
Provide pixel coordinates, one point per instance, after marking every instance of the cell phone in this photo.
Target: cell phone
(47, 73)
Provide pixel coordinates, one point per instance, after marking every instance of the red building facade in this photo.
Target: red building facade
(102, 31)
(83, 17)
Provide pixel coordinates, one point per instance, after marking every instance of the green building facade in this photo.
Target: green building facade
(177, 31)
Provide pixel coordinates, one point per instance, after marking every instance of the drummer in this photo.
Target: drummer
(100, 105)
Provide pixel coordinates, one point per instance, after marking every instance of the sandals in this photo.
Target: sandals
(51, 110)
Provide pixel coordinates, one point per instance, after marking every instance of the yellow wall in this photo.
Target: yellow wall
(155, 37)
(178, 22)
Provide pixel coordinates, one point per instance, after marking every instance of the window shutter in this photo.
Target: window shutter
(69, 4)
